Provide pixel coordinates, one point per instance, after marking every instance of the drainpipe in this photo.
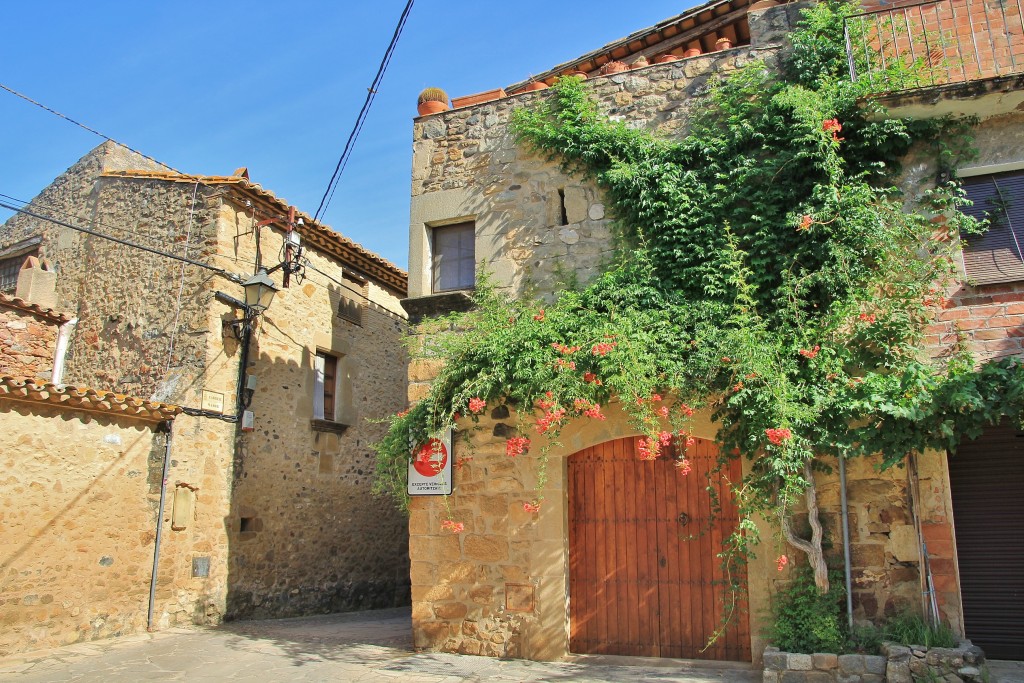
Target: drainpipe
(61, 352)
(846, 539)
(159, 525)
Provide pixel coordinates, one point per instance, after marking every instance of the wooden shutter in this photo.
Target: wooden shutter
(996, 255)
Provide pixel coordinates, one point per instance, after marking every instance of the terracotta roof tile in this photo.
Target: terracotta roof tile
(30, 390)
(22, 305)
(710, 14)
(322, 236)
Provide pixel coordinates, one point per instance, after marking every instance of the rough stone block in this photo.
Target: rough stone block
(770, 676)
(851, 664)
(898, 671)
(874, 664)
(774, 661)
(819, 677)
(793, 677)
(825, 660)
(800, 662)
(451, 611)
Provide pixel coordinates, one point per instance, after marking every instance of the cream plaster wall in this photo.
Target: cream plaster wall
(78, 515)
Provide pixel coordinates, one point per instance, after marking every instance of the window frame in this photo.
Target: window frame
(995, 256)
(440, 267)
(322, 398)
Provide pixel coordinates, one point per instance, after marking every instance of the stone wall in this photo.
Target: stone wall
(26, 342)
(896, 664)
(144, 329)
(78, 509)
(885, 552)
(467, 165)
(317, 540)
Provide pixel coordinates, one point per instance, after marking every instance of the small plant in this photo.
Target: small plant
(866, 640)
(911, 629)
(805, 620)
(432, 95)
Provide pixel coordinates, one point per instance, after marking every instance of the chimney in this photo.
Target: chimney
(37, 283)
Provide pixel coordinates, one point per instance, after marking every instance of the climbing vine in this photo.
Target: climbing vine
(771, 273)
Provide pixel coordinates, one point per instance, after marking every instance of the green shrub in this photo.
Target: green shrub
(804, 620)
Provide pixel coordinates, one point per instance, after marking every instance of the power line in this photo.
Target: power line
(96, 132)
(94, 233)
(220, 271)
(370, 94)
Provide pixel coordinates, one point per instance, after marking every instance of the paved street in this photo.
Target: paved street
(365, 646)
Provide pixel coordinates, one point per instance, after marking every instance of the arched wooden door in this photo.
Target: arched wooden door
(644, 579)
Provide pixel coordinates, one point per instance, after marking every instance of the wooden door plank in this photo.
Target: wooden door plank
(621, 455)
(684, 498)
(631, 512)
(648, 558)
(575, 552)
(612, 592)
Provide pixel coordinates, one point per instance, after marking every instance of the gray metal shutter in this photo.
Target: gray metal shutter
(986, 478)
(998, 254)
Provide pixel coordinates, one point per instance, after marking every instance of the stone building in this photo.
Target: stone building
(518, 584)
(271, 452)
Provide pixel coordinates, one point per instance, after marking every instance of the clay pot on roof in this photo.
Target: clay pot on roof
(432, 101)
(665, 59)
(723, 44)
(640, 62)
(534, 85)
(578, 73)
(692, 52)
(614, 67)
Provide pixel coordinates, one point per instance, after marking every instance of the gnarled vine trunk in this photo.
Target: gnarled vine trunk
(812, 547)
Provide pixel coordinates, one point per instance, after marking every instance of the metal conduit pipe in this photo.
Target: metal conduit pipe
(159, 525)
(846, 539)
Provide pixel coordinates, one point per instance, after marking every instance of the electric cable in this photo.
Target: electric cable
(198, 179)
(361, 118)
(118, 240)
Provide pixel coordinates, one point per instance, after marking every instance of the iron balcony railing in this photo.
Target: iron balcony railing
(946, 41)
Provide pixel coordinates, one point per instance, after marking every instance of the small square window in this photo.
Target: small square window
(326, 384)
(453, 262)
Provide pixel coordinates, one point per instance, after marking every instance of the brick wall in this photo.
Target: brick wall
(26, 343)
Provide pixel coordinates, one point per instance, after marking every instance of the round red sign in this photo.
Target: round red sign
(431, 459)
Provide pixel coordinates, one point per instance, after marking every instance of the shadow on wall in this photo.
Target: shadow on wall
(305, 535)
(80, 478)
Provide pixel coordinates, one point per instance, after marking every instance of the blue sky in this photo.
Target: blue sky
(276, 86)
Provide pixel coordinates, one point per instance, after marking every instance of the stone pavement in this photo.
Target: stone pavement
(357, 647)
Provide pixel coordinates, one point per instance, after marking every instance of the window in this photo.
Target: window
(454, 257)
(352, 299)
(997, 255)
(10, 266)
(325, 387)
